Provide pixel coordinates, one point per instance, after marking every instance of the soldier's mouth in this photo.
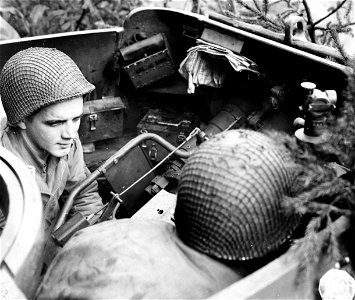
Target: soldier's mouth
(65, 145)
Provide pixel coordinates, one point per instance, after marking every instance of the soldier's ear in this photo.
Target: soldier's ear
(22, 124)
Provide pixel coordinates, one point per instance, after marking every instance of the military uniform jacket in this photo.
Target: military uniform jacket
(133, 259)
(54, 176)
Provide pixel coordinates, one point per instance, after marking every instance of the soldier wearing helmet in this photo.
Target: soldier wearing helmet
(42, 92)
(230, 219)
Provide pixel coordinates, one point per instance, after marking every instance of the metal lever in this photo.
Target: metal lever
(74, 224)
(154, 120)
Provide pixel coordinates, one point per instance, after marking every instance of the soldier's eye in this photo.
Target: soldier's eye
(54, 123)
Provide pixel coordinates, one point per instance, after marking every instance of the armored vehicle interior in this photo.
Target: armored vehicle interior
(145, 117)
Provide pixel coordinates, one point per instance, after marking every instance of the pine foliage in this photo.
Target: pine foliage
(273, 15)
(321, 195)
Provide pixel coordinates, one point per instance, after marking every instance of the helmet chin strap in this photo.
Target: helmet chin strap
(21, 124)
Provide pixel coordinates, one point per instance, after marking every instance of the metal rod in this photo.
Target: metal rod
(192, 134)
(109, 163)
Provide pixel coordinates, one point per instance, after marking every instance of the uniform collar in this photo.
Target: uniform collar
(38, 159)
(18, 142)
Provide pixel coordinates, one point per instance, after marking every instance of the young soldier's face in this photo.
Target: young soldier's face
(53, 128)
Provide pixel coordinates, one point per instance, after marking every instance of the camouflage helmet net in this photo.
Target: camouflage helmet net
(230, 196)
(37, 77)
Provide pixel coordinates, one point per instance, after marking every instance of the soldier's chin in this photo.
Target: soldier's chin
(60, 152)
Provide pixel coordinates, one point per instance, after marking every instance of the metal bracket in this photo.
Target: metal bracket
(153, 152)
(92, 121)
(295, 29)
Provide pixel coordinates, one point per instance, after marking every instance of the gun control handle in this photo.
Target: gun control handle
(69, 228)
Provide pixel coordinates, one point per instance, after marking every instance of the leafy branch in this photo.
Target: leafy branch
(38, 17)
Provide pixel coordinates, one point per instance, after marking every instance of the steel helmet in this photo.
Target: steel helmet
(37, 77)
(230, 196)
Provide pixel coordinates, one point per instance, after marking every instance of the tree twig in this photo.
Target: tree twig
(195, 6)
(265, 7)
(83, 14)
(328, 15)
(340, 27)
(220, 6)
(232, 6)
(257, 5)
(311, 30)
